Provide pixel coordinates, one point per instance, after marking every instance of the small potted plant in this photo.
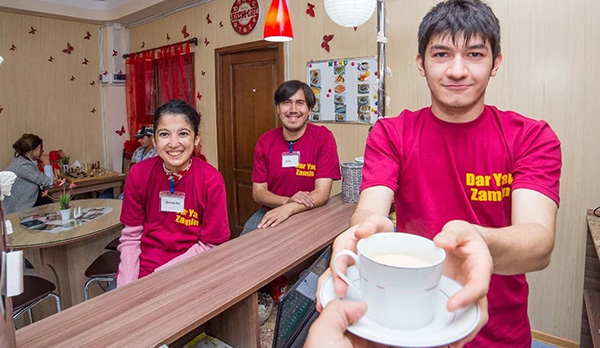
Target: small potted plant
(65, 163)
(64, 199)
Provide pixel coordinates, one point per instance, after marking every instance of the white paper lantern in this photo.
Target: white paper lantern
(350, 13)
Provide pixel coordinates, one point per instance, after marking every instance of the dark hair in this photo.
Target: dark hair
(27, 142)
(178, 107)
(468, 18)
(289, 88)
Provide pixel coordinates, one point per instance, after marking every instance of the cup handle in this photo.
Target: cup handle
(342, 275)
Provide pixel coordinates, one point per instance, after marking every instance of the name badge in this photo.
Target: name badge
(290, 159)
(172, 202)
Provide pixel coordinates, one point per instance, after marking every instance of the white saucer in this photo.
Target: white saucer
(446, 327)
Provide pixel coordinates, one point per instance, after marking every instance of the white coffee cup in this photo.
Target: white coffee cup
(401, 296)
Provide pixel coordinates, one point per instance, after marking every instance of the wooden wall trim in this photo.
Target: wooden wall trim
(553, 340)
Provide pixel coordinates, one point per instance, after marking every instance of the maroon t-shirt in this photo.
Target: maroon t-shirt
(441, 171)
(318, 159)
(167, 234)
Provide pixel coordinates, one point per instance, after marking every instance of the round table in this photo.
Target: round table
(64, 256)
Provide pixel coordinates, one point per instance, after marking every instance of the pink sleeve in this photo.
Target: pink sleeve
(196, 249)
(129, 267)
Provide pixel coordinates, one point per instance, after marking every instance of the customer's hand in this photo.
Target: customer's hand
(329, 330)
(468, 260)
(275, 216)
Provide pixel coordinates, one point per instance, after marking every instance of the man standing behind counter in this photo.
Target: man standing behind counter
(475, 179)
(294, 164)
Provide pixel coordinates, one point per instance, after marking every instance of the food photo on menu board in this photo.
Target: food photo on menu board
(344, 89)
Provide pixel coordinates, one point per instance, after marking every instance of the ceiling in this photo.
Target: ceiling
(128, 12)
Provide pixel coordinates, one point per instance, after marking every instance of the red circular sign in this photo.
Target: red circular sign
(245, 15)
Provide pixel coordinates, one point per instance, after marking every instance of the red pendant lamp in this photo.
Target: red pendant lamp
(278, 26)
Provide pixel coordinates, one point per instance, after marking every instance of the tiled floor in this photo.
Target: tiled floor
(538, 344)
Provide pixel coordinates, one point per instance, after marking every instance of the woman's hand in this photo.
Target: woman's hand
(45, 159)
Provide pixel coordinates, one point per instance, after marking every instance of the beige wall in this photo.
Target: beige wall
(38, 97)
(547, 73)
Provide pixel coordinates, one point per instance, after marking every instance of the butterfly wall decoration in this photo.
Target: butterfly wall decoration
(326, 40)
(69, 49)
(310, 10)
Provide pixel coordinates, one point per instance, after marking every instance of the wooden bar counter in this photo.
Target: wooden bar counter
(216, 290)
(590, 323)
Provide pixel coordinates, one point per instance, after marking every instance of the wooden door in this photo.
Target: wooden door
(247, 77)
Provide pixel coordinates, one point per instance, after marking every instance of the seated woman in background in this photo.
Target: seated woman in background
(174, 205)
(26, 189)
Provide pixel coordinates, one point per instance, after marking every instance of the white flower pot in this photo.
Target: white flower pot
(65, 214)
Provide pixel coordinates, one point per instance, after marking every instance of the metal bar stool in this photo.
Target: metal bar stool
(35, 290)
(103, 268)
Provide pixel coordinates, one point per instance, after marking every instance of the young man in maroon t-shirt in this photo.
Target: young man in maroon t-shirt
(481, 182)
(295, 164)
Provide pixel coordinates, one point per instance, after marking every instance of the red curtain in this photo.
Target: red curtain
(172, 69)
(175, 70)
(141, 91)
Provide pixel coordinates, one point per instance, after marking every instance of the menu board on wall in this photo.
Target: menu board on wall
(345, 90)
